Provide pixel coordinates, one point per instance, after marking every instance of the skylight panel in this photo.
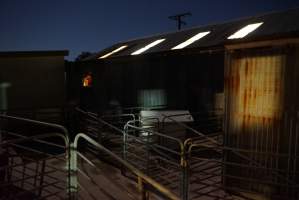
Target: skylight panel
(147, 47)
(191, 40)
(245, 31)
(113, 52)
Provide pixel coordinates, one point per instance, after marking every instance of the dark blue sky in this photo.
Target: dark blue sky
(91, 25)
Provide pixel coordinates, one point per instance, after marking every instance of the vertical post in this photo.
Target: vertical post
(3, 95)
(124, 154)
(73, 179)
(147, 153)
(125, 142)
(3, 104)
(99, 135)
(143, 193)
(184, 193)
(41, 181)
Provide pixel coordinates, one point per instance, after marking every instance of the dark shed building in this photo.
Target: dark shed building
(254, 61)
(172, 81)
(36, 79)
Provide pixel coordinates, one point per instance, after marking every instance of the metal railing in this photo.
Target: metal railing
(42, 167)
(160, 156)
(103, 131)
(194, 164)
(218, 169)
(55, 115)
(33, 166)
(147, 186)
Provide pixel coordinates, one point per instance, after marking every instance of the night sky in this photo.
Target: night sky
(91, 25)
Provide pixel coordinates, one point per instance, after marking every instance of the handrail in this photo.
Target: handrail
(191, 129)
(63, 134)
(37, 139)
(91, 115)
(233, 151)
(164, 191)
(56, 126)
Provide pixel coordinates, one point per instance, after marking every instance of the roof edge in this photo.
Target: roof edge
(208, 25)
(34, 53)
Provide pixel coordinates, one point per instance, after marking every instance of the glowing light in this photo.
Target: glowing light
(147, 47)
(245, 31)
(113, 52)
(87, 80)
(191, 40)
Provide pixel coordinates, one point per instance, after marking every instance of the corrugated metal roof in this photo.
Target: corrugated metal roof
(275, 25)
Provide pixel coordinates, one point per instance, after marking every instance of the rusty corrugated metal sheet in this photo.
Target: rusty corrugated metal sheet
(262, 122)
(255, 93)
(255, 85)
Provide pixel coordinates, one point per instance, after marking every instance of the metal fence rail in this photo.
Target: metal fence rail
(176, 162)
(161, 156)
(217, 167)
(197, 165)
(41, 167)
(103, 131)
(208, 122)
(271, 165)
(147, 187)
(158, 155)
(35, 166)
(55, 115)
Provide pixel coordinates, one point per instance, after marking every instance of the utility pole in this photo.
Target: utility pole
(179, 20)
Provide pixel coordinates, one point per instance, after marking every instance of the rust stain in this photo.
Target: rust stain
(249, 118)
(246, 68)
(231, 81)
(256, 87)
(269, 120)
(254, 94)
(264, 120)
(276, 85)
(238, 82)
(245, 100)
(249, 93)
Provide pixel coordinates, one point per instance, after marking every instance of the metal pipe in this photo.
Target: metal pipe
(144, 177)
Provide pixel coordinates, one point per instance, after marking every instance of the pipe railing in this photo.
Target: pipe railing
(143, 180)
(34, 156)
(214, 144)
(160, 152)
(209, 148)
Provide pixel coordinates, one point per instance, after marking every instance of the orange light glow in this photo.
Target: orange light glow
(87, 80)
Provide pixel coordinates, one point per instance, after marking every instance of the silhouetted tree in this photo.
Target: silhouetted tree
(83, 55)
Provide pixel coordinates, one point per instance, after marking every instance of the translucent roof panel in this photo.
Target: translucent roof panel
(113, 52)
(147, 47)
(245, 31)
(191, 40)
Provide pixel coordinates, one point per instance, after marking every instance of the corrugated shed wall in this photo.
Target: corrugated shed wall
(184, 82)
(255, 85)
(262, 120)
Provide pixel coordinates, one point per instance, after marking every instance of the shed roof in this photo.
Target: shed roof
(275, 25)
(34, 53)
